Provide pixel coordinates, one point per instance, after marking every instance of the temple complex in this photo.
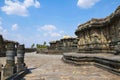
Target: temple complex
(66, 44)
(97, 45)
(98, 36)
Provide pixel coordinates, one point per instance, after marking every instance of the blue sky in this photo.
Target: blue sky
(36, 21)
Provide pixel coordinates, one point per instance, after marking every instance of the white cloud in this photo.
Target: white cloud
(3, 31)
(28, 3)
(1, 28)
(0, 21)
(61, 32)
(14, 27)
(86, 3)
(18, 8)
(48, 28)
(52, 34)
(55, 34)
(51, 31)
(37, 4)
(17, 36)
(45, 34)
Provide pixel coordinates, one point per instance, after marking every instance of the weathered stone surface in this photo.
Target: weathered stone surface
(3, 45)
(50, 67)
(9, 68)
(99, 34)
(0, 70)
(1, 67)
(20, 58)
(66, 44)
(107, 61)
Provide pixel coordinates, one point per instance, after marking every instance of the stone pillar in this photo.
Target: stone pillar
(2, 46)
(20, 58)
(0, 71)
(9, 68)
(1, 40)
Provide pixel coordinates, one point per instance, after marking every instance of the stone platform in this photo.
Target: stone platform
(108, 62)
(51, 67)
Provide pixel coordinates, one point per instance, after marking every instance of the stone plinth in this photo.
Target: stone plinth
(108, 62)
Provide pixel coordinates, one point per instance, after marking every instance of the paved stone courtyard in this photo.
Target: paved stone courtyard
(51, 67)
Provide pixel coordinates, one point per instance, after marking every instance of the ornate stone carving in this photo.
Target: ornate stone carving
(99, 33)
(117, 48)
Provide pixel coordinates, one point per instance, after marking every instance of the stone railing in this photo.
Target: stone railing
(12, 70)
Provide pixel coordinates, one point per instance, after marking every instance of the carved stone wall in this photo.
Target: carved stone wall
(64, 45)
(100, 34)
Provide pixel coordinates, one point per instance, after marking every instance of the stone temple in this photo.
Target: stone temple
(99, 43)
(100, 35)
(66, 44)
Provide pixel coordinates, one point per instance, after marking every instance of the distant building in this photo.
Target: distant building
(66, 44)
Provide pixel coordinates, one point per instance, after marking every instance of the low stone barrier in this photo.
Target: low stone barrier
(30, 50)
(108, 62)
(48, 51)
